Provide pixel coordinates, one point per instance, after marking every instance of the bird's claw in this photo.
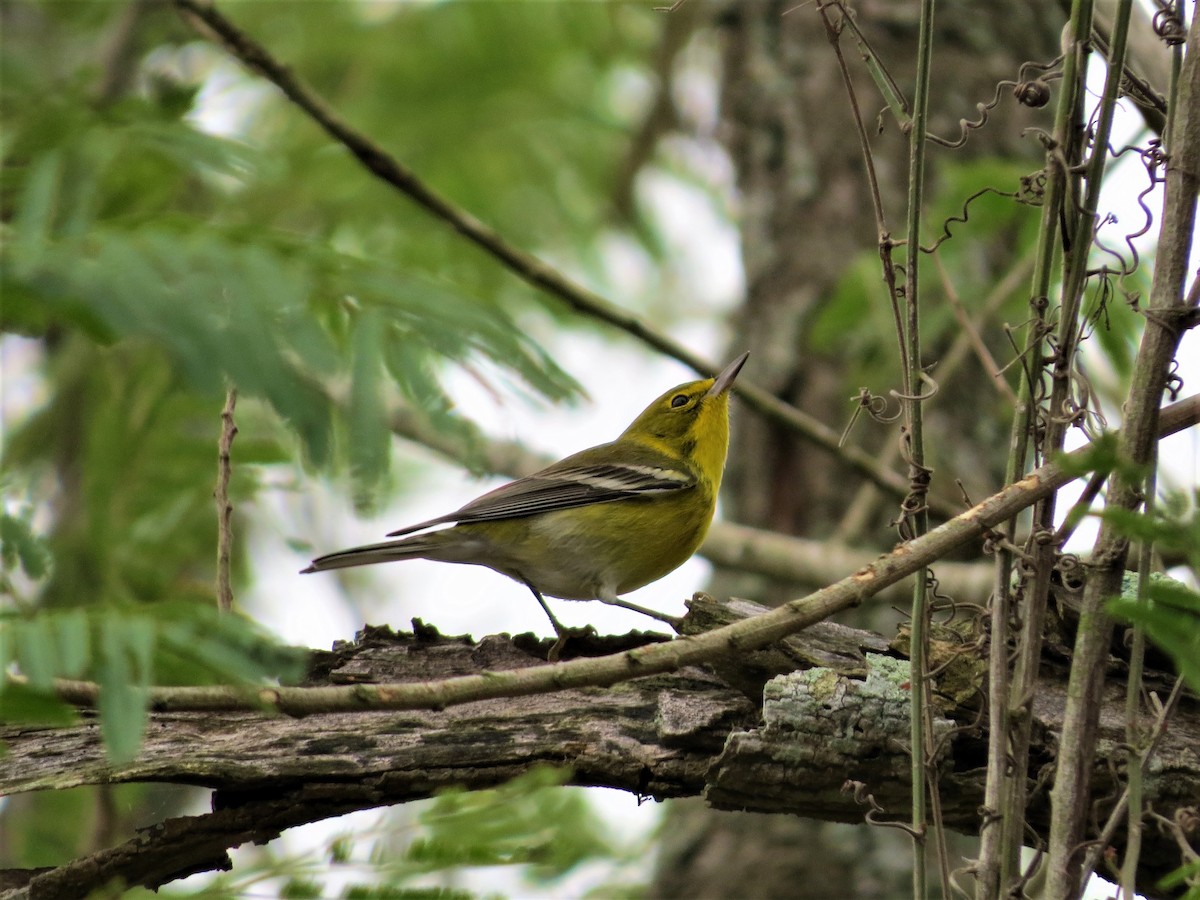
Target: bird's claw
(565, 634)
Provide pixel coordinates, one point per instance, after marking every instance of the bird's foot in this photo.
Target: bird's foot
(565, 635)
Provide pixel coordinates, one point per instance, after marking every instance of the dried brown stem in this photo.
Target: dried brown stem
(224, 506)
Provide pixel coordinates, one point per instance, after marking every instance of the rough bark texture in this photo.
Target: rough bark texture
(689, 734)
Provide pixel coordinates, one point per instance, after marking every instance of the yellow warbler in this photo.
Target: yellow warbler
(598, 524)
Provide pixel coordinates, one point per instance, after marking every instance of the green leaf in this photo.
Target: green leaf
(340, 849)
(369, 436)
(24, 705)
(128, 648)
(531, 819)
(37, 651)
(123, 681)
(212, 306)
(211, 648)
(201, 645)
(74, 652)
(1170, 616)
(1182, 876)
(1100, 456)
(1173, 527)
(302, 889)
(20, 546)
(35, 213)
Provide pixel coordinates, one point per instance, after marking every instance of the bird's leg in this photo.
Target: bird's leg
(673, 621)
(564, 632)
(559, 628)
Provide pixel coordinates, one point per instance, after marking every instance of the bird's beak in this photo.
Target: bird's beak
(723, 381)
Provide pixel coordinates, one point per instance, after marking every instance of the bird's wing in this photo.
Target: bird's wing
(579, 480)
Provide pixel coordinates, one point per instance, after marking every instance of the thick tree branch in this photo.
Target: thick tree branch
(685, 734)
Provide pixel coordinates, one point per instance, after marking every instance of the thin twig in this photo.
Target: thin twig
(1133, 698)
(1079, 509)
(970, 333)
(1069, 331)
(914, 506)
(224, 506)
(833, 31)
(1113, 822)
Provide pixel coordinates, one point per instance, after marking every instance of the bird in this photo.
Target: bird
(597, 524)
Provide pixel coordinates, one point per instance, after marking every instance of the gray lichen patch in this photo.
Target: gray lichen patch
(832, 715)
(817, 720)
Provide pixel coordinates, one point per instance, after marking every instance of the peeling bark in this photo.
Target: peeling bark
(690, 733)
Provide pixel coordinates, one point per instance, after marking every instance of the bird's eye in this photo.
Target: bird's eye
(679, 400)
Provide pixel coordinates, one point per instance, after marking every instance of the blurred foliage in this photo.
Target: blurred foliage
(184, 228)
(1100, 455)
(1185, 878)
(1170, 610)
(171, 225)
(193, 230)
(413, 851)
(519, 822)
(126, 650)
(20, 549)
(857, 317)
(51, 827)
(1170, 616)
(113, 256)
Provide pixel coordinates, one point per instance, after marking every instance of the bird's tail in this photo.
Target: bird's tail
(388, 551)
